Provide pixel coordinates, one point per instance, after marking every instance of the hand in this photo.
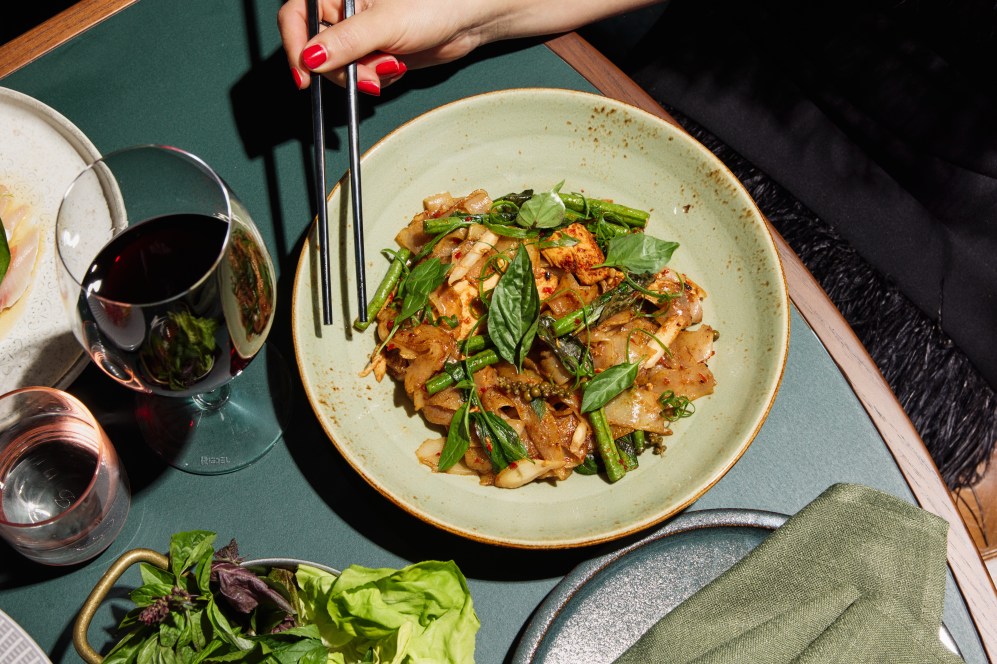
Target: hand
(388, 37)
(385, 37)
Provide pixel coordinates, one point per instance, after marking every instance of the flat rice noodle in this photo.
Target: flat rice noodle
(636, 409)
(426, 347)
(412, 237)
(552, 369)
(694, 346)
(608, 342)
(685, 373)
(440, 407)
(437, 204)
(571, 295)
(445, 247)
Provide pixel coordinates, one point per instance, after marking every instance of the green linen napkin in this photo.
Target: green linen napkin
(856, 576)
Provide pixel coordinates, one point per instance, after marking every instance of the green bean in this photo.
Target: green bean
(442, 381)
(384, 289)
(606, 446)
(627, 215)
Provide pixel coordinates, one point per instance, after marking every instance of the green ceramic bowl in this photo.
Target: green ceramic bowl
(534, 138)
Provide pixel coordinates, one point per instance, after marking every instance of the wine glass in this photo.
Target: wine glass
(171, 292)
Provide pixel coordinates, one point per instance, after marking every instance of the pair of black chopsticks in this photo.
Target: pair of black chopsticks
(318, 132)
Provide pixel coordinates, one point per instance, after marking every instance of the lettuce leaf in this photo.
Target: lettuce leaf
(420, 613)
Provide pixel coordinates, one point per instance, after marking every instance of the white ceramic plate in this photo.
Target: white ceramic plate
(509, 141)
(41, 152)
(16, 647)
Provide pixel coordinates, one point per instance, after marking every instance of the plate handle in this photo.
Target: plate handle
(99, 594)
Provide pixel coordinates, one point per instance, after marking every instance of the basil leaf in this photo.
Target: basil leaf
(587, 467)
(152, 575)
(605, 230)
(544, 210)
(639, 253)
(515, 310)
(442, 233)
(539, 407)
(491, 446)
(127, 648)
(605, 386)
(415, 289)
(516, 199)
(170, 631)
(564, 240)
(4, 252)
(502, 433)
(147, 594)
(509, 231)
(457, 440)
(572, 353)
(223, 628)
(188, 549)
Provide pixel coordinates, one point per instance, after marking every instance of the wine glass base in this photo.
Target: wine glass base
(225, 430)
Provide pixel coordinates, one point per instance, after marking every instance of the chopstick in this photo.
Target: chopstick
(354, 139)
(318, 135)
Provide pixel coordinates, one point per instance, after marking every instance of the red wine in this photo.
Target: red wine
(165, 329)
(157, 259)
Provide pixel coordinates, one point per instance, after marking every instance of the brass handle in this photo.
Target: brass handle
(99, 594)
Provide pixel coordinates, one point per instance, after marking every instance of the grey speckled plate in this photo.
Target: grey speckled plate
(579, 621)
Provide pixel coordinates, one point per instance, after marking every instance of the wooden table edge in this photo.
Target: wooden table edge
(56, 31)
(810, 299)
(853, 360)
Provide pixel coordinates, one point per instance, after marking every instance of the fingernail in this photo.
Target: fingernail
(369, 87)
(396, 74)
(388, 68)
(314, 56)
(297, 77)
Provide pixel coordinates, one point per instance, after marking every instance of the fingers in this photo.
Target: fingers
(292, 21)
(347, 41)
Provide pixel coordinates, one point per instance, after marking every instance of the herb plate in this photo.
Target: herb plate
(533, 138)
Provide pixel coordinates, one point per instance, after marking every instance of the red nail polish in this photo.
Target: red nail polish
(388, 68)
(314, 56)
(297, 77)
(397, 75)
(369, 87)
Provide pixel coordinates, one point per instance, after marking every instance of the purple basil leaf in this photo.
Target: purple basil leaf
(244, 590)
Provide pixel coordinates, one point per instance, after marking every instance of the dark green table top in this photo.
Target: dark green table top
(210, 77)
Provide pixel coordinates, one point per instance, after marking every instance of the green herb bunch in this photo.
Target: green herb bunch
(207, 608)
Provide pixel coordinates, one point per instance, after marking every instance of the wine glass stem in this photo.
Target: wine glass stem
(214, 399)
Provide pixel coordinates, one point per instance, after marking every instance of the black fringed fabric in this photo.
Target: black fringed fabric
(866, 131)
(952, 407)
